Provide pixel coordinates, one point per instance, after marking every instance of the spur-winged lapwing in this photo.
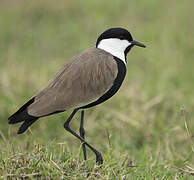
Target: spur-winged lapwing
(85, 81)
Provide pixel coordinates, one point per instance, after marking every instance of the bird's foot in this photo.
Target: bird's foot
(99, 159)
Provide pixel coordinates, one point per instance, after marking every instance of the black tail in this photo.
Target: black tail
(22, 115)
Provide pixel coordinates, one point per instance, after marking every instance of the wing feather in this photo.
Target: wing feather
(79, 82)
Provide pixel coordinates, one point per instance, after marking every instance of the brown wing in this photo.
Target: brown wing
(79, 82)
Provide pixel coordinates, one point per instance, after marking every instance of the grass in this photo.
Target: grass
(144, 132)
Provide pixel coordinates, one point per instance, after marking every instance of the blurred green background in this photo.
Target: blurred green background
(146, 119)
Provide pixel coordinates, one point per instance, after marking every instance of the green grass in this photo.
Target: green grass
(145, 132)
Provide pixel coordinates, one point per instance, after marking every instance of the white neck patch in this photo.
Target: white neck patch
(114, 46)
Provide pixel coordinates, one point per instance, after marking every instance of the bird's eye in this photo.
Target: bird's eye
(121, 37)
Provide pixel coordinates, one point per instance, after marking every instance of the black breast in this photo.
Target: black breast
(115, 87)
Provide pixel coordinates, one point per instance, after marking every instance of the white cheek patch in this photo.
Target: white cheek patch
(114, 46)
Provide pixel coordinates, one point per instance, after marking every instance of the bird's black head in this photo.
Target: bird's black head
(117, 39)
(118, 33)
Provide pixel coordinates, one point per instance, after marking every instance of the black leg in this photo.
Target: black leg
(82, 134)
(66, 126)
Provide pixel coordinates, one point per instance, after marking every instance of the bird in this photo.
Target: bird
(86, 80)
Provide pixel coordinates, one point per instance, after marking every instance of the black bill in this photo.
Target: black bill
(138, 44)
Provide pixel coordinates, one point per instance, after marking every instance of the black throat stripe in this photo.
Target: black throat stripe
(115, 87)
